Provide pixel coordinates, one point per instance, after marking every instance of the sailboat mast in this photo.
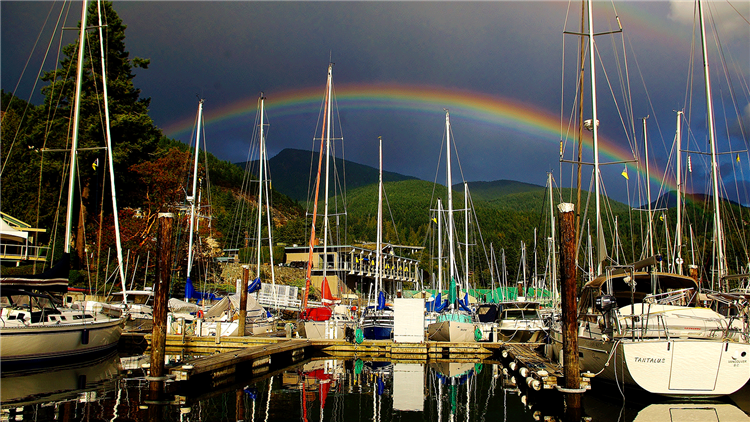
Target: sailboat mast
(678, 228)
(379, 246)
(451, 252)
(648, 193)
(108, 139)
(191, 198)
(317, 191)
(712, 140)
(466, 236)
(440, 244)
(553, 271)
(260, 186)
(595, 131)
(328, 164)
(74, 140)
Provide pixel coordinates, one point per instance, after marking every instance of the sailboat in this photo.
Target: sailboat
(377, 320)
(322, 322)
(190, 292)
(455, 323)
(34, 330)
(222, 317)
(643, 328)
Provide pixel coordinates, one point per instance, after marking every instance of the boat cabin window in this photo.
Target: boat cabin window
(515, 314)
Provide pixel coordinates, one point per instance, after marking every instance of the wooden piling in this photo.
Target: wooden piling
(161, 297)
(571, 367)
(243, 301)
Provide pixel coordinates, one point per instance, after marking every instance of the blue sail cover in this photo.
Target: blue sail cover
(436, 305)
(254, 286)
(191, 293)
(464, 304)
(381, 300)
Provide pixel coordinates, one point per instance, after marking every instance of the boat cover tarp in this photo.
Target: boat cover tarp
(180, 306)
(54, 279)
(316, 314)
(232, 303)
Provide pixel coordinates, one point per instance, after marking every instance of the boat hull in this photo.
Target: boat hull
(323, 330)
(696, 368)
(454, 331)
(46, 344)
(377, 332)
(378, 325)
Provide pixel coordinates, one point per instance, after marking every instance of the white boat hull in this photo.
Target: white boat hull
(36, 343)
(454, 331)
(324, 330)
(695, 368)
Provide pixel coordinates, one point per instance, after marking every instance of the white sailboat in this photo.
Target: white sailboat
(322, 322)
(642, 327)
(34, 330)
(453, 324)
(222, 317)
(378, 319)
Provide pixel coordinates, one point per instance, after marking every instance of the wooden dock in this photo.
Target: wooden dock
(252, 355)
(179, 344)
(534, 370)
(222, 368)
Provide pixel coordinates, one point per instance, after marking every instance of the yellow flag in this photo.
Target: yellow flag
(738, 158)
(434, 219)
(625, 173)
(95, 164)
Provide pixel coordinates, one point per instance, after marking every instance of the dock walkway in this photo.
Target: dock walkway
(230, 355)
(230, 362)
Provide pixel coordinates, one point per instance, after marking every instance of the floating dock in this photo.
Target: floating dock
(230, 362)
(229, 355)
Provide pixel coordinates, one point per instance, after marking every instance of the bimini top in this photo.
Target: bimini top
(646, 283)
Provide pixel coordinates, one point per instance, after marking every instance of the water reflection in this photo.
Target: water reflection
(326, 389)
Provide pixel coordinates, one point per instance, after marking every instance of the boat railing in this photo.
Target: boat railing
(639, 327)
(21, 252)
(680, 297)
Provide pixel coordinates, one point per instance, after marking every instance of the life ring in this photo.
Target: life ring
(200, 314)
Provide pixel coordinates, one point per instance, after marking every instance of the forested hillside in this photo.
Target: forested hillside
(153, 174)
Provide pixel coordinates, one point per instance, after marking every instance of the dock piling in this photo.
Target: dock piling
(571, 367)
(161, 293)
(243, 301)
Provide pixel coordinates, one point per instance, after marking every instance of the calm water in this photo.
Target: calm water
(113, 389)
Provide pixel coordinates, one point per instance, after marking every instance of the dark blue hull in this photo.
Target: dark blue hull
(378, 333)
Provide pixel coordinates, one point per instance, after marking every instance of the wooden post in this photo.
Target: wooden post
(243, 301)
(571, 367)
(161, 293)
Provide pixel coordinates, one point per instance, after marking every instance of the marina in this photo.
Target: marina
(351, 293)
(330, 388)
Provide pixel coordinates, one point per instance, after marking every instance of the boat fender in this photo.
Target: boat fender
(199, 314)
(477, 334)
(359, 336)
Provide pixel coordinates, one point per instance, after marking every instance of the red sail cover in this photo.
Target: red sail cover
(327, 296)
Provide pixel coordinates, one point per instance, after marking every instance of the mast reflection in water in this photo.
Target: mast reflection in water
(114, 389)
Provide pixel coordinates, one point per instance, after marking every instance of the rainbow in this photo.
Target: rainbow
(506, 113)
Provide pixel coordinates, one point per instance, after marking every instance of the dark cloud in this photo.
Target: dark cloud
(230, 51)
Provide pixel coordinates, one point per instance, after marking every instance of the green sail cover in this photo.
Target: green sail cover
(452, 291)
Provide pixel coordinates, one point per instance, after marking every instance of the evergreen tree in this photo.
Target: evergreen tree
(37, 154)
